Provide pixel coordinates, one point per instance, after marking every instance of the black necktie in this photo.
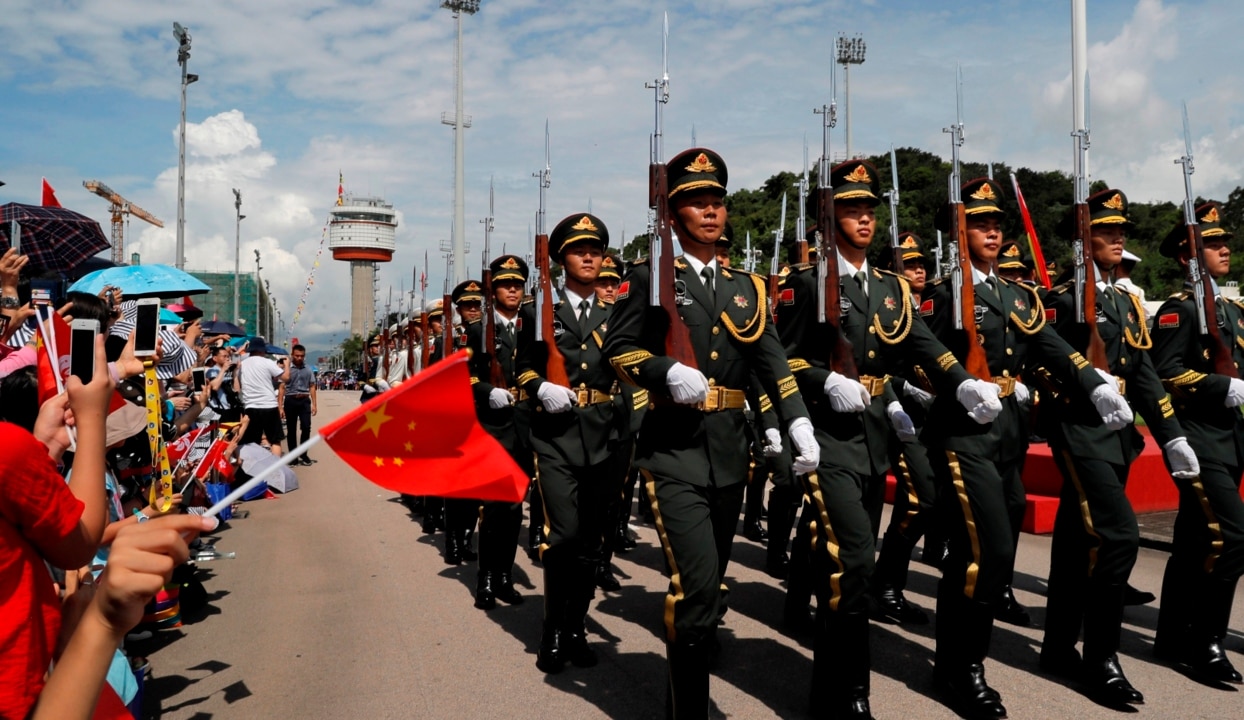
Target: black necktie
(992, 282)
(862, 280)
(707, 274)
(584, 305)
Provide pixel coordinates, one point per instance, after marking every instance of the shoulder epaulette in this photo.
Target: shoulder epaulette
(802, 266)
(640, 261)
(1062, 288)
(881, 273)
(936, 282)
(738, 271)
(529, 300)
(1181, 295)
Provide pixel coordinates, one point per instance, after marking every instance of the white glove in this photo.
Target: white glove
(846, 395)
(1235, 393)
(499, 398)
(556, 398)
(773, 442)
(1181, 459)
(807, 450)
(917, 393)
(1022, 393)
(900, 421)
(980, 399)
(687, 385)
(1107, 377)
(1115, 413)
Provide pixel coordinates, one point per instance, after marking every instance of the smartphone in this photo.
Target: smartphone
(200, 377)
(82, 349)
(40, 296)
(15, 235)
(146, 327)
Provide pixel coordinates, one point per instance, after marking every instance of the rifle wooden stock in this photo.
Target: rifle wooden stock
(774, 280)
(447, 326)
(841, 356)
(976, 363)
(677, 336)
(496, 375)
(555, 368)
(801, 247)
(1219, 351)
(425, 342)
(1095, 353)
(410, 348)
(384, 349)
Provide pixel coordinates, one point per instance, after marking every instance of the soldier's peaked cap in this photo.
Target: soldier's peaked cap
(468, 291)
(981, 196)
(1209, 221)
(696, 170)
(576, 228)
(609, 269)
(508, 267)
(855, 180)
(1109, 207)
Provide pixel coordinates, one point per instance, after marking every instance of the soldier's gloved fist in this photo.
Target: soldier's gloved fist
(1115, 413)
(556, 398)
(773, 442)
(807, 450)
(980, 399)
(499, 398)
(1235, 393)
(1022, 394)
(900, 421)
(917, 393)
(687, 385)
(1181, 459)
(846, 395)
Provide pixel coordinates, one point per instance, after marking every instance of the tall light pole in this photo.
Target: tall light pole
(237, 253)
(460, 121)
(258, 297)
(850, 52)
(183, 54)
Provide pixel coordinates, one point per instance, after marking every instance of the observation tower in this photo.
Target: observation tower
(361, 230)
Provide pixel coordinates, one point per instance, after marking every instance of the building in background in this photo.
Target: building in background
(362, 231)
(254, 303)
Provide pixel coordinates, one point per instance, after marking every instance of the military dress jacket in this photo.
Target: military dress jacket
(588, 434)
(886, 337)
(732, 338)
(510, 425)
(1181, 356)
(1010, 325)
(1069, 418)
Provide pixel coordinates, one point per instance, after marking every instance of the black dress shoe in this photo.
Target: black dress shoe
(575, 649)
(1008, 610)
(968, 693)
(852, 709)
(754, 532)
(934, 554)
(503, 588)
(1134, 596)
(1104, 680)
(549, 657)
(453, 550)
(1065, 664)
(605, 579)
(468, 553)
(485, 596)
(1208, 663)
(623, 542)
(892, 605)
(777, 566)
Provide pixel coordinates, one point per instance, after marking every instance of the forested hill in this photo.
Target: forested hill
(922, 190)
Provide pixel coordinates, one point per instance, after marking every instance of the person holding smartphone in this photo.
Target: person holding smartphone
(254, 382)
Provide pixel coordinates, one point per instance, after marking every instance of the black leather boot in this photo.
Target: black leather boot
(964, 631)
(622, 540)
(485, 596)
(605, 579)
(889, 579)
(1101, 673)
(1133, 596)
(688, 687)
(782, 511)
(581, 590)
(453, 549)
(841, 667)
(503, 588)
(752, 529)
(1008, 610)
(550, 657)
(464, 546)
(433, 515)
(1203, 655)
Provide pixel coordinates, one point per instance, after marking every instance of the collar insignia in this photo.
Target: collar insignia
(701, 164)
(1114, 203)
(1211, 216)
(985, 193)
(858, 175)
(740, 301)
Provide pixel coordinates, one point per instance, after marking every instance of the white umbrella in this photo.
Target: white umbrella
(256, 458)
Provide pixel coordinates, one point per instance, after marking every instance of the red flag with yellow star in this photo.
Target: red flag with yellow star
(422, 438)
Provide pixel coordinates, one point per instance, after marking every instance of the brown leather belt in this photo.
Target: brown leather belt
(875, 385)
(717, 400)
(1006, 386)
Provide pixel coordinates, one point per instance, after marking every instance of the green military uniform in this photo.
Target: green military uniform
(1208, 556)
(461, 514)
(500, 522)
(576, 454)
(1096, 538)
(433, 508)
(879, 322)
(978, 467)
(693, 459)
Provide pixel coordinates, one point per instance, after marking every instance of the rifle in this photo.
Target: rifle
(829, 291)
(661, 291)
(774, 276)
(962, 289)
(447, 309)
(801, 222)
(384, 335)
(496, 375)
(1202, 289)
(892, 196)
(555, 366)
(425, 349)
(410, 325)
(1085, 277)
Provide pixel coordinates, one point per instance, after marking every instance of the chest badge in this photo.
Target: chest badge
(740, 301)
(603, 328)
(1131, 319)
(980, 312)
(558, 328)
(1020, 304)
(844, 303)
(890, 303)
(680, 293)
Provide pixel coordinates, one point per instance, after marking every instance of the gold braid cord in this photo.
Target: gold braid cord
(1144, 342)
(798, 364)
(1036, 320)
(902, 326)
(753, 330)
(631, 361)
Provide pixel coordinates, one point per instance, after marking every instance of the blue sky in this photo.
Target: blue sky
(293, 90)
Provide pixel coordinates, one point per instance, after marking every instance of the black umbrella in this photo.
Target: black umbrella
(54, 238)
(221, 327)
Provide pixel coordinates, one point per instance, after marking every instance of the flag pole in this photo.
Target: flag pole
(251, 484)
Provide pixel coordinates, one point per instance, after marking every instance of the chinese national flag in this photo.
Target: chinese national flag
(422, 438)
(49, 195)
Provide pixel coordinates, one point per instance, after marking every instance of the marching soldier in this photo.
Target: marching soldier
(434, 507)
(1096, 538)
(509, 423)
(1014, 265)
(575, 432)
(853, 419)
(978, 466)
(1208, 557)
(689, 448)
(461, 514)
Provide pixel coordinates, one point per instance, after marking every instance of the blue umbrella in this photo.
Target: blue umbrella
(168, 317)
(221, 327)
(139, 281)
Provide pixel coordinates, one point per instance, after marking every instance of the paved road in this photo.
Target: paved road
(337, 606)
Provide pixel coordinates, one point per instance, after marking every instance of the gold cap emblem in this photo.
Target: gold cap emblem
(701, 164)
(608, 262)
(985, 193)
(908, 242)
(1114, 203)
(472, 287)
(510, 264)
(858, 175)
(585, 224)
(1012, 251)
(1211, 216)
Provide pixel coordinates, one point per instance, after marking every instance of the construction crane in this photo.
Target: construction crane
(120, 208)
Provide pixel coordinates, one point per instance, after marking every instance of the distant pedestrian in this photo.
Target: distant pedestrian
(256, 380)
(300, 401)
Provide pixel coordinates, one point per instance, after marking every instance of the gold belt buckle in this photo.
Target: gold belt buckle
(712, 400)
(584, 395)
(1122, 385)
(1006, 386)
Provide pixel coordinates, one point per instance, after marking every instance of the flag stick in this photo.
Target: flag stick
(251, 484)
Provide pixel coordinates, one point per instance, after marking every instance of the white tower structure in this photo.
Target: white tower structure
(362, 230)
